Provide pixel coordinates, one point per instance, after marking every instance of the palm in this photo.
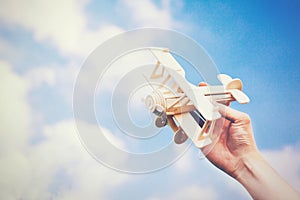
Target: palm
(220, 154)
(234, 141)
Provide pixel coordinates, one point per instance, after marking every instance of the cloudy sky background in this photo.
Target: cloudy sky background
(43, 45)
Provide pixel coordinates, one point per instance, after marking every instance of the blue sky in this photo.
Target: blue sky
(44, 44)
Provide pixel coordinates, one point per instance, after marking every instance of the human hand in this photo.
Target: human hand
(236, 141)
(237, 155)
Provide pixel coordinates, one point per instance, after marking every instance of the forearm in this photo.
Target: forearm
(262, 181)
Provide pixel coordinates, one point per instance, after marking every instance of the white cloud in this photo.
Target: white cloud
(37, 76)
(61, 23)
(9, 52)
(15, 126)
(191, 192)
(195, 192)
(59, 77)
(124, 66)
(287, 162)
(114, 140)
(14, 109)
(62, 154)
(15, 173)
(185, 163)
(65, 24)
(57, 166)
(146, 13)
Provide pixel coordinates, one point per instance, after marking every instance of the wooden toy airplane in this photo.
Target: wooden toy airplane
(188, 109)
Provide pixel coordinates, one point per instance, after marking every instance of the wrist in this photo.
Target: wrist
(248, 166)
(261, 180)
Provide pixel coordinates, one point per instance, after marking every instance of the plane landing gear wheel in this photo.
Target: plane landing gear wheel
(180, 136)
(161, 121)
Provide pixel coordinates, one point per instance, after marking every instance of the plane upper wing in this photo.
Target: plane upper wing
(196, 95)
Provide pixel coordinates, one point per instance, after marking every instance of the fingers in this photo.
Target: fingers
(232, 114)
(202, 84)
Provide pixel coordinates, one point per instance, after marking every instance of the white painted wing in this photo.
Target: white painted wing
(167, 60)
(224, 78)
(240, 96)
(196, 95)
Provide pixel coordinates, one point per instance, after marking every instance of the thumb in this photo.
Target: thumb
(232, 114)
